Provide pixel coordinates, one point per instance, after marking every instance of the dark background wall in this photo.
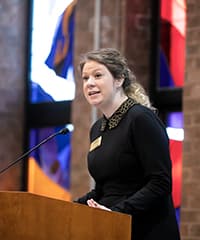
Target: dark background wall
(125, 25)
(13, 52)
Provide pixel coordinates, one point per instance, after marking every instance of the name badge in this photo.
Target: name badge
(96, 143)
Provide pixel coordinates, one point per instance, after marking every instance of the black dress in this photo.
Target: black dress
(130, 163)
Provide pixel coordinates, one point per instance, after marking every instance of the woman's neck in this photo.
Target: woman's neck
(112, 107)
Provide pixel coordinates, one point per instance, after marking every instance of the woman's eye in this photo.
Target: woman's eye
(98, 75)
(85, 78)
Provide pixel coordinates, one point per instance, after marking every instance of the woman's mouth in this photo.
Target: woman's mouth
(91, 93)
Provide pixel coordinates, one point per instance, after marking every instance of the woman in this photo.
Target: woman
(129, 152)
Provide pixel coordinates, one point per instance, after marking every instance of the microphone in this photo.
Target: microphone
(62, 131)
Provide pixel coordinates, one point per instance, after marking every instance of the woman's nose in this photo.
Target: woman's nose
(90, 81)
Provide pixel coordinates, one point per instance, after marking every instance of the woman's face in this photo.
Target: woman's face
(99, 86)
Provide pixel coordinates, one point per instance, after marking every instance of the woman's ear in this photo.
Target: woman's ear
(119, 82)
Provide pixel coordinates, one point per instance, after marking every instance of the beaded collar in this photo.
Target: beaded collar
(114, 120)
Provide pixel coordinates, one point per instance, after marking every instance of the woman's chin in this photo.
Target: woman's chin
(95, 103)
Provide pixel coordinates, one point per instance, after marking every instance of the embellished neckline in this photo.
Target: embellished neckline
(117, 116)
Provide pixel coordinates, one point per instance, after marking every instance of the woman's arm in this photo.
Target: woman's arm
(87, 196)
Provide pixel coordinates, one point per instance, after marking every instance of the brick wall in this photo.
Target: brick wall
(13, 25)
(190, 211)
(138, 39)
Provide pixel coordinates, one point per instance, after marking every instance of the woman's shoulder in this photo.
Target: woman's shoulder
(138, 109)
(142, 114)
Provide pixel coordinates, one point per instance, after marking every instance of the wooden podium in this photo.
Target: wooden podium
(27, 216)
